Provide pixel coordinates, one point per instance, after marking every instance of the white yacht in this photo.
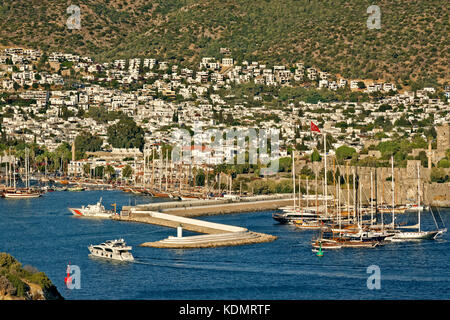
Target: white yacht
(92, 210)
(112, 249)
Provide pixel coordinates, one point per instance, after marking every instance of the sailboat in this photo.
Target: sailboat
(419, 234)
(26, 193)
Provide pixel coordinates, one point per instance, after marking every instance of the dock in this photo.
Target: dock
(178, 214)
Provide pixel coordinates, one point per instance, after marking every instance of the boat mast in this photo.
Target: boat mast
(293, 175)
(180, 175)
(334, 186)
(376, 193)
(371, 198)
(418, 195)
(153, 168)
(300, 194)
(339, 203)
(325, 180)
(8, 169)
(393, 192)
(354, 195)
(27, 169)
(317, 200)
(307, 191)
(160, 168)
(14, 172)
(167, 168)
(348, 193)
(145, 171)
(360, 211)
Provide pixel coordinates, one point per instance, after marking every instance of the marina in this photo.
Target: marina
(328, 219)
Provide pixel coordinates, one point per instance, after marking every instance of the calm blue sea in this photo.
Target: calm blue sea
(42, 232)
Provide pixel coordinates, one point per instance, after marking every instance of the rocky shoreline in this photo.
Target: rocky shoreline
(24, 283)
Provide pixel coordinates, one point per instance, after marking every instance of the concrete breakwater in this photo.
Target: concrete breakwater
(211, 241)
(216, 234)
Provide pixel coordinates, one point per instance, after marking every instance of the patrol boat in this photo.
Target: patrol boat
(93, 210)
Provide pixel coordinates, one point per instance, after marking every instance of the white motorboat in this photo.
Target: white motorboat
(93, 210)
(112, 249)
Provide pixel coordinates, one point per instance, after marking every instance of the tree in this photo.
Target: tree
(438, 175)
(126, 134)
(444, 163)
(87, 169)
(109, 171)
(200, 178)
(315, 156)
(85, 141)
(127, 171)
(175, 117)
(344, 153)
(285, 164)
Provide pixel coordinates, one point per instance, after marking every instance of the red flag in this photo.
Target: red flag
(314, 127)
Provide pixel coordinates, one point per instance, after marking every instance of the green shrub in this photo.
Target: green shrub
(21, 287)
(41, 279)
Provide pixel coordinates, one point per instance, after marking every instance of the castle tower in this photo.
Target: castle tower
(443, 138)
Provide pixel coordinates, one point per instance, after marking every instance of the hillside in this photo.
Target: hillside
(412, 43)
(24, 283)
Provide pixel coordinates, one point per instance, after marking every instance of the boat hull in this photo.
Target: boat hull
(110, 255)
(414, 235)
(21, 195)
(326, 245)
(82, 213)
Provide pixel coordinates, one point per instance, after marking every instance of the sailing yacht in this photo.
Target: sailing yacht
(419, 234)
(27, 192)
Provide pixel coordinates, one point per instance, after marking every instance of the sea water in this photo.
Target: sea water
(43, 233)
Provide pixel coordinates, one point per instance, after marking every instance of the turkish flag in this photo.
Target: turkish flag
(314, 127)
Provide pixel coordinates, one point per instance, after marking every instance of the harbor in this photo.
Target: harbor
(269, 270)
(340, 210)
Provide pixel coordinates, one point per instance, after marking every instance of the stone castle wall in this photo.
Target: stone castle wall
(406, 183)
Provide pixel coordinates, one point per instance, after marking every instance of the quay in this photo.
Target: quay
(196, 208)
(178, 215)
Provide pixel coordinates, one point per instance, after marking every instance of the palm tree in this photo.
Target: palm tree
(87, 169)
(127, 171)
(109, 171)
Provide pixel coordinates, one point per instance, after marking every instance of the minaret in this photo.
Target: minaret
(73, 150)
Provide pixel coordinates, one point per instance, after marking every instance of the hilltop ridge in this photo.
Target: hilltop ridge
(412, 43)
